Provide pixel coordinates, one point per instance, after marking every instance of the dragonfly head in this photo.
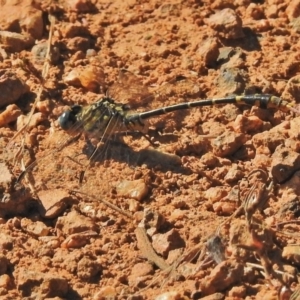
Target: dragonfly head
(68, 118)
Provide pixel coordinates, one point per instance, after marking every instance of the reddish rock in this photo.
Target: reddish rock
(163, 243)
(226, 23)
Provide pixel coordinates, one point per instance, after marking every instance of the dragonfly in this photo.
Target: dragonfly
(102, 121)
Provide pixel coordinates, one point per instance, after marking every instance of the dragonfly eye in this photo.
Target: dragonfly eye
(68, 118)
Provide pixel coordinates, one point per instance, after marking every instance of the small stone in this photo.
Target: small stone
(247, 124)
(142, 269)
(233, 174)
(224, 275)
(34, 228)
(74, 222)
(227, 24)
(88, 268)
(71, 30)
(5, 175)
(268, 139)
(228, 143)
(53, 202)
(285, 162)
(209, 160)
(78, 44)
(215, 194)
(90, 77)
(35, 120)
(78, 240)
(163, 243)
(225, 208)
(15, 42)
(208, 50)
(136, 189)
(90, 53)
(231, 80)
(11, 88)
(5, 281)
(10, 114)
(133, 205)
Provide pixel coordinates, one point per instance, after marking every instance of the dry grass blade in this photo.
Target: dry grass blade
(108, 204)
(44, 77)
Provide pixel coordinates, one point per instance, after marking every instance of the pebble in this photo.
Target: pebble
(74, 222)
(234, 174)
(139, 274)
(268, 139)
(88, 268)
(53, 202)
(78, 43)
(209, 160)
(135, 189)
(11, 88)
(224, 275)
(35, 120)
(142, 269)
(15, 42)
(72, 30)
(90, 77)
(78, 240)
(215, 194)
(225, 208)
(34, 228)
(10, 114)
(226, 23)
(231, 81)
(285, 162)
(228, 143)
(247, 124)
(5, 281)
(165, 242)
(208, 50)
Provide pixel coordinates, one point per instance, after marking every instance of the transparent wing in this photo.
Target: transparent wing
(129, 89)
